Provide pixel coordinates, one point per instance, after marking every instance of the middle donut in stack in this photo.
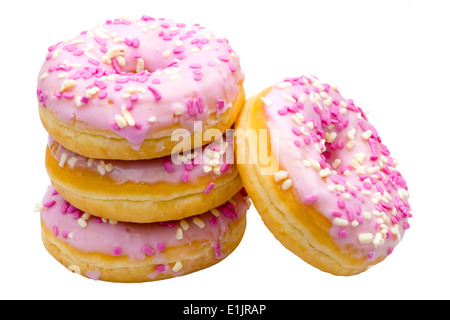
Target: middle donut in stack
(111, 99)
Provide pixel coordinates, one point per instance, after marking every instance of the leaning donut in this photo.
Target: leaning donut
(118, 91)
(329, 189)
(143, 191)
(103, 249)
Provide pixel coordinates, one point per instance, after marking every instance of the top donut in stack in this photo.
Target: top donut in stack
(120, 90)
(127, 105)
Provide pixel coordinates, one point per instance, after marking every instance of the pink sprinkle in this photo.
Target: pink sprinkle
(148, 250)
(117, 251)
(311, 198)
(390, 250)
(224, 167)
(342, 233)
(156, 81)
(155, 92)
(232, 67)
(94, 62)
(160, 268)
(55, 230)
(195, 66)
(296, 131)
(49, 204)
(297, 143)
(341, 203)
(188, 166)
(168, 165)
(64, 207)
(283, 111)
(336, 213)
(68, 95)
(190, 106)
(185, 177)
(199, 103)
(220, 104)
(116, 65)
(161, 246)
(100, 41)
(209, 188)
(213, 221)
(102, 94)
(406, 225)
(64, 233)
(134, 97)
(100, 84)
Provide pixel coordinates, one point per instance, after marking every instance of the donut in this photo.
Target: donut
(107, 250)
(143, 191)
(328, 189)
(120, 90)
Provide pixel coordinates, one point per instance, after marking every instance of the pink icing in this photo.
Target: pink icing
(213, 161)
(137, 241)
(156, 69)
(336, 161)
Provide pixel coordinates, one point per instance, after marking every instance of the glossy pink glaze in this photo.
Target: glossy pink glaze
(138, 78)
(335, 160)
(213, 161)
(137, 241)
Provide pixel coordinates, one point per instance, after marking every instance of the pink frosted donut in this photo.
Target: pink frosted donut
(129, 252)
(142, 191)
(332, 193)
(118, 91)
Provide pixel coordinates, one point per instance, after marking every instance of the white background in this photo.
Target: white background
(391, 57)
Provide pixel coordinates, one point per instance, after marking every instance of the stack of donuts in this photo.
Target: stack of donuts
(139, 191)
(145, 180)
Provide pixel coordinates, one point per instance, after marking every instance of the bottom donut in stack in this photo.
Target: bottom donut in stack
(108, 250)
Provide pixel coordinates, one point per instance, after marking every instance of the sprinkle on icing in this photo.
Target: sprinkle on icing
(345, 170)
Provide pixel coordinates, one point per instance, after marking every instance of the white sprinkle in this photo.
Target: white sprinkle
(207, 168)
(62, 75)
(152, 119)
(179, 234)
(63, 159)
(360, 156)
(44, 76)
(101, 168)
(121, 122)
(109, 167)
(177, 266)
(378, 239)
(82, 223)
(288, 98)
(350, 145)
(336, 163)
(128, 117)
(199, 222)
(71, 162)
(89, 162)
(215, 212)
(166, 53)
(286, 184)
(324, 172)
(111, 221)
(178, 43)
(315, 165)
(365, 237)
(139, 65)
(280, 175)
(38, 207)
(340, 222)
(284, 85)
(85, 216)
(184, 224)
(367, 134)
